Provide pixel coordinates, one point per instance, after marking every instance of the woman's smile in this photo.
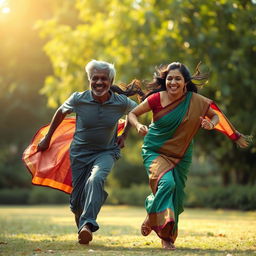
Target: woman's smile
(175, 83)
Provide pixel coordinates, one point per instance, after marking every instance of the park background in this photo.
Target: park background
(45, 45)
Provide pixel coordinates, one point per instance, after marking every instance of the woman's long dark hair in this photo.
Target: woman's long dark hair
(159, 81)
(133, 88)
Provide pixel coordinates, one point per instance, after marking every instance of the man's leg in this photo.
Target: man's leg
(79, 178)
(94, 194)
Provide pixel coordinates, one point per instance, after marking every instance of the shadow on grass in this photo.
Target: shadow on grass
(21, 246)
(178, 251)
(60, 238)
(68, 248)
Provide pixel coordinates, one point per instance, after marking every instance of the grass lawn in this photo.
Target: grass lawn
(50, 230)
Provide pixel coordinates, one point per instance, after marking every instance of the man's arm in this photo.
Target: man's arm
(56, 120)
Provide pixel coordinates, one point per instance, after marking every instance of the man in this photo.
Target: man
(95, 146)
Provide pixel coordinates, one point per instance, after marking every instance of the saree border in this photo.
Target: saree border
(168, 108)
(174, 159)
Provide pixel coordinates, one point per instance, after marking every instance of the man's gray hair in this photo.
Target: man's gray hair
(100, 65)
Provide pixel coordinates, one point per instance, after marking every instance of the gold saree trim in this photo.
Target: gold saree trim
(162, 223)
(158, 168)
(159, 219)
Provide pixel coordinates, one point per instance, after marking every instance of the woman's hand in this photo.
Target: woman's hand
(142, 129)
(135, 113)
(206, 124)
(242, 142)
(43, 144)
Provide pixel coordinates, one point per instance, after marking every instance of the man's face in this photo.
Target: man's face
(100, 82)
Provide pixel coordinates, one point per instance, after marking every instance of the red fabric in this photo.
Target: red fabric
(52, 167)
(154, 102)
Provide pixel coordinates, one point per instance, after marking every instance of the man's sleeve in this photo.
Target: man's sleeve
(69, 105)
(131, 104)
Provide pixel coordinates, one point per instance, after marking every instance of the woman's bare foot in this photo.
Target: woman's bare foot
(168, 245)
(85, 235)
(145, 228)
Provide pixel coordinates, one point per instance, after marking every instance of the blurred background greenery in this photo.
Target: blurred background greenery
(46, 43)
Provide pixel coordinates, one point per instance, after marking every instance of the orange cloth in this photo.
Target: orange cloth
(224, 125)
(52, 167)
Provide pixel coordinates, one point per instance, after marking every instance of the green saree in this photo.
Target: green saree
(167, 155)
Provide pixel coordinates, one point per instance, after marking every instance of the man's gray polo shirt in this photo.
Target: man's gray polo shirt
(96, 123)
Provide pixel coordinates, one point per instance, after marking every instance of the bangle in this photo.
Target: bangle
(213, 125)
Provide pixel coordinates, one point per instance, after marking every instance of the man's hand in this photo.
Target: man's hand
(56, 120)
(43, 144)
(120, 141)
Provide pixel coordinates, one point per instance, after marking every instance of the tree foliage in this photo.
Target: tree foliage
(137, 35)
(23, 68)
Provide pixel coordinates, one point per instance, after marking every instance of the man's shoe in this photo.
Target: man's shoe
(85, 235)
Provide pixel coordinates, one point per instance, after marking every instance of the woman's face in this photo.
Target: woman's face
(175, 83)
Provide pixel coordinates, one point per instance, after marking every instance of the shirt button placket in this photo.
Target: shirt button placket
(100, 111)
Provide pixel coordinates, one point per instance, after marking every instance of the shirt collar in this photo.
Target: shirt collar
(110, 100)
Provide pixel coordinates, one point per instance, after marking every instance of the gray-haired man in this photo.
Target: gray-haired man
(95, 146)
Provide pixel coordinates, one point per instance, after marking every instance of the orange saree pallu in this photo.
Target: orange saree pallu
(224, 125)
(52, 167)
(167, 155)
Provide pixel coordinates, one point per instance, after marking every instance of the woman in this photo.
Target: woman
(178, 113)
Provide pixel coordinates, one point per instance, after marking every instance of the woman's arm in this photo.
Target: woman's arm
(135, 113)
(210, 123)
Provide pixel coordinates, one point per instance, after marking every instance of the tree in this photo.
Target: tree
(24, 66)
(220, 32)
(137, 35)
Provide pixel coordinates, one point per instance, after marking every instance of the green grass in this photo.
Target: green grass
(50, 230)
